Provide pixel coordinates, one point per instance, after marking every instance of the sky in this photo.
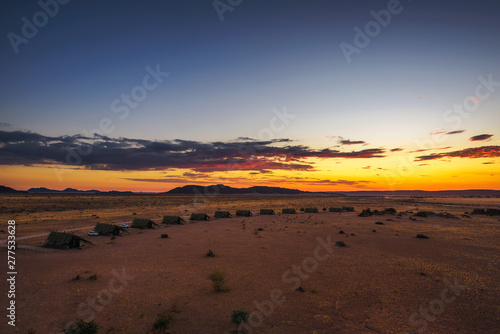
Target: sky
(313, 95)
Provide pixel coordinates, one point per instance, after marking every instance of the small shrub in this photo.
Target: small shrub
(162, 322)
(302, 209)
(218, 279)
(164, 236)
(210, 253)
(113, 238)
(239, 316)
(76, 278)
(93, 277)
(82, 327)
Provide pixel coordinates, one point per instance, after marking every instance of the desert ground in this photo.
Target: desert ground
(283, 269)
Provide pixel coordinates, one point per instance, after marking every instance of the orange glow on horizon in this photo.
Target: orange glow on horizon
(329, 175)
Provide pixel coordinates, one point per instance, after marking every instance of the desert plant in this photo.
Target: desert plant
(162, 322)
(82, 327)
(112, 238)
(93, 277)
(218, 279)
(164, 236)
(239, 317)
(210, 253)
(76, 278)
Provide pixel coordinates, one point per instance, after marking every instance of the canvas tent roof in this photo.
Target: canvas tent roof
(222, 214)
(172, 220)
(59, 239)
(311, 210)
(143, 223)
(102, 228)
(245, 213)
(199, 216)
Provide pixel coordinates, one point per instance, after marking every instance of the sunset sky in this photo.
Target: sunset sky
(314, 95)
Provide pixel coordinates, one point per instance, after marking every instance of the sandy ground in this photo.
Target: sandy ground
(376, 284)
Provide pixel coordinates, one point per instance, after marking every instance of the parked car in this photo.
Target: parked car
(124, 225)
(93, 233)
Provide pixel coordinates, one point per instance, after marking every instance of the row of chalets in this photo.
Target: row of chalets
(63, 240)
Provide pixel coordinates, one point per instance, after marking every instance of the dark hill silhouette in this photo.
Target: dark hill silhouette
(43, 190)
(9, 190)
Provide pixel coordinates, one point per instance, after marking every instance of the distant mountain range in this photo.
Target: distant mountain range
(44, 190)
(8, 190)
(221, 189)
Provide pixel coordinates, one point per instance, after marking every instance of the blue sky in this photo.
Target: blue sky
(226, 78)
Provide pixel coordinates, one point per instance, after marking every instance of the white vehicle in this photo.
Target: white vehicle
(124, 225)
(93, 233)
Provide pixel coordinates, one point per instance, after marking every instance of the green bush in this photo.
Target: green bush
(239, 316)
(82, 327)
(218, 279)
(162, 322)
(210, 253)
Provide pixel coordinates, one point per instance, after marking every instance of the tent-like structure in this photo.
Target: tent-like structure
(266, 211)
(143, 223)
(244, 213)
(289, 211)
(63, 240)
(222, 214)
(311, 210)
(199, 216)
(108, 229)
(172, 220)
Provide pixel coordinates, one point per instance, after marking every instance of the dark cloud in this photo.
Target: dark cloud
(421, 150)
(351, 142)
(5, 124)
(316, 181)
(396, 149)
(105, 153)
(472, 153)
(455, 132)
(480, 137)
